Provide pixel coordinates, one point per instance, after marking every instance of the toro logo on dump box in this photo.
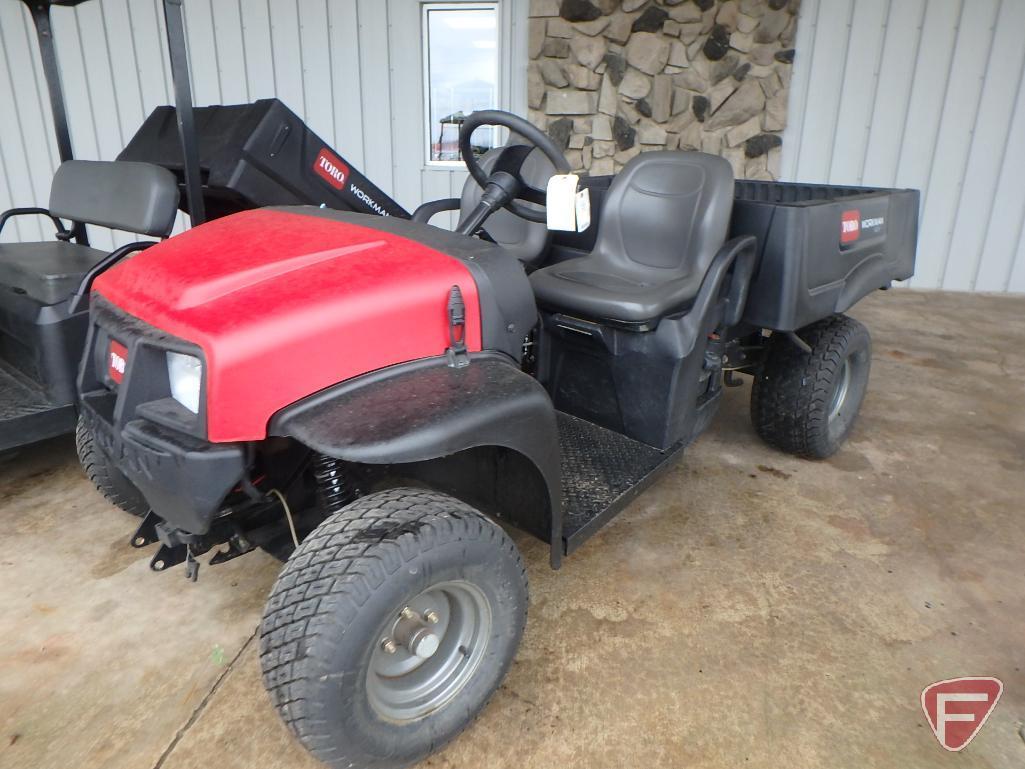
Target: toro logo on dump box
(857, 222)
(117, 359)
(958, 707)
(850, 226)
(332, 170)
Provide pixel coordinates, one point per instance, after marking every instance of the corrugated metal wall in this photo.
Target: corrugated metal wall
(926, 94)
(349, 68)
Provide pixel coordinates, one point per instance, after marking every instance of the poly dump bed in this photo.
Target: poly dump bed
(821, 247)
(259, 154)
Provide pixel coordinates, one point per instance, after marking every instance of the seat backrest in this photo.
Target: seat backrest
(666, 214)
(121, 195)
(527, 241)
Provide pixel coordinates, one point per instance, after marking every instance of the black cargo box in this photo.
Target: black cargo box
(821, 248)
(258, 154)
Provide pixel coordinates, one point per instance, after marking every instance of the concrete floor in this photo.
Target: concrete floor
(750, 610)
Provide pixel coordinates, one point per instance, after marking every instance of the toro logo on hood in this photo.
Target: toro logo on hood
(331, 169)
(117, 361)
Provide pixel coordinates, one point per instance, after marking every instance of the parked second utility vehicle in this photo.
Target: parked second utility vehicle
(373, 395)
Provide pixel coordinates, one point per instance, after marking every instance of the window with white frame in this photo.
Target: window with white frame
(460, 43)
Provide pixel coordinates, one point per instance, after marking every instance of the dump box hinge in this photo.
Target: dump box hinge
(456, 352)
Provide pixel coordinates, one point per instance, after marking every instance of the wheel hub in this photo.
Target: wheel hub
(411, 632)
(840, 393)
(429, 650)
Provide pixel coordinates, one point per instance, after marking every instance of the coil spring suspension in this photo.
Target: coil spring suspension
(335, 488)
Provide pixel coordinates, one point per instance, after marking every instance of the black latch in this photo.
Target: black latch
(279, 138)
(456, 353)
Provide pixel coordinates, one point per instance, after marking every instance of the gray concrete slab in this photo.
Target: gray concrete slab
(751, 609)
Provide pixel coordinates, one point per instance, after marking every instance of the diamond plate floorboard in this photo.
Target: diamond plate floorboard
(602, 471)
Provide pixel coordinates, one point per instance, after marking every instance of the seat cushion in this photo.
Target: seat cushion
(664, 218)
(581, 286)
(49, 271)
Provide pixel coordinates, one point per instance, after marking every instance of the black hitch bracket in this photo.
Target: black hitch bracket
(146, 534)
(168, 556)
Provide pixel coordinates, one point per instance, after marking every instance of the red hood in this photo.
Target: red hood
(284, 304)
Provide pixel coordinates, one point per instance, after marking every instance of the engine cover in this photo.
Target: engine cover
(285, 302)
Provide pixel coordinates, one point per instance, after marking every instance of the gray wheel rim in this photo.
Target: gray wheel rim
(452, 618)
(840, 393)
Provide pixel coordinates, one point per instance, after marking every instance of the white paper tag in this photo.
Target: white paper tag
(561, 202)
(583, 210)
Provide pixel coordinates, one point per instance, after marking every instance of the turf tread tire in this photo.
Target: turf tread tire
(793, 389)
(107, 479)
(333, 573)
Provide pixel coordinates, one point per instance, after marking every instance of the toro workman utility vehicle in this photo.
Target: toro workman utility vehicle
(371, 397)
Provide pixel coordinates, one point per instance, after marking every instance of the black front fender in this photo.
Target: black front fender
(426, 410)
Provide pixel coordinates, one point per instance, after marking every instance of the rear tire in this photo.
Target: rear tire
(806, 403)
(352, 698)
(110, 481)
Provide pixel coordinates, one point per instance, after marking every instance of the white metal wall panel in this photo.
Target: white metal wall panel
(31, 152)
(858, 88)
(375, 92)
(1006, 232)
(405, 100)
(346, 98)
(926, 94)
(887, 120)
(349, 68)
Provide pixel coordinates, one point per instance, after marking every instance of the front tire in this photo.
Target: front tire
(391, 626)
(108, 480)
(806, 403)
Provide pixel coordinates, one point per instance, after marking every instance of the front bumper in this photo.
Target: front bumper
(183, 479)
(157, 444)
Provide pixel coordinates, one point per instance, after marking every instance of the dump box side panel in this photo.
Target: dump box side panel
(822, 248)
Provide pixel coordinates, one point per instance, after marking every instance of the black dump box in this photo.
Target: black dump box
(821, 248)
(258, 154)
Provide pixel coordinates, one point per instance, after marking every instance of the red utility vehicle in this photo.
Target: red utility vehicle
(371, 396)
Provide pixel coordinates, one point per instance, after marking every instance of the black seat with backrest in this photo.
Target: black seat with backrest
(134, 197)
(43, 297)
(664, 219)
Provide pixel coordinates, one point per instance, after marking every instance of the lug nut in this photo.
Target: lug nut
(431, 616)
(389, 646)
(407, 613)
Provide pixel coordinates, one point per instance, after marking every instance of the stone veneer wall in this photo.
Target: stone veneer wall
(611, 78)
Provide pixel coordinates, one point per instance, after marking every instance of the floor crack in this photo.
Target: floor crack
(203, 703)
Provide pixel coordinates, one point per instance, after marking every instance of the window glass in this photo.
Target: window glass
(461, 74)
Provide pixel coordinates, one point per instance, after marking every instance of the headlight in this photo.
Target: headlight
(186, 375)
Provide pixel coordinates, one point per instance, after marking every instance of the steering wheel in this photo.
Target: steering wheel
(511, 161)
